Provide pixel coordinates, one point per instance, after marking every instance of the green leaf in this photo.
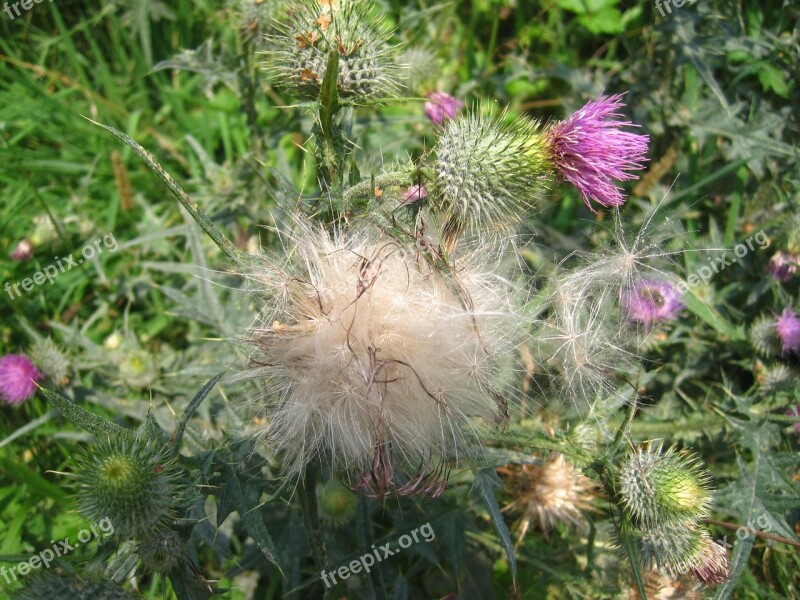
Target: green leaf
(486, 480)
(189, 411)
(88, 421)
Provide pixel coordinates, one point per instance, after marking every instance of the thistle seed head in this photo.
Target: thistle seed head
(130, 481)
(378, 360)
(660, 488)
(299, 54)
(487, 173)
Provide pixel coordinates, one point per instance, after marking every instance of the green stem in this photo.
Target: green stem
(366, 540)
(366, 187)
(308, 504)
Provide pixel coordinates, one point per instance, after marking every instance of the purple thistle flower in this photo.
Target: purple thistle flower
(17, 378)
(788, 329)
(651, 301)
(590, 151)
(783, 265)
(23, 251)
(414, 194)
(442, 106)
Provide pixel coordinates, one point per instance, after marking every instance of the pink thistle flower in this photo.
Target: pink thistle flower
(783, 265)
(23, 251)
(442, 106)
(651, 301)
(17, 378)
(788, 328)
(590, 151)
(414, 194)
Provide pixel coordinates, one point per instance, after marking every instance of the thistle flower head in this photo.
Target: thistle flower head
(775, 378)
(130, 481)
(18, 377)
(487, 172)
(682, 549)
(414, 194)
(138, 368)
(551, 493)
(299, 58)
(788, 329)
(764, 338)
(442, 106)
(377, 359)
(51, 360)
(651, 301)
(590, 150)
(23, 251)
(664, 487)
(783, 265)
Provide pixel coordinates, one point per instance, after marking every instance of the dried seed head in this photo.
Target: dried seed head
(378, 360)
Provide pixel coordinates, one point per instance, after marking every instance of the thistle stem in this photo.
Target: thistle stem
(366, 187)
(308, 504)
(364, 529)
(762, 534)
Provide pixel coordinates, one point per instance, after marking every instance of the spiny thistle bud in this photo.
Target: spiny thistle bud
(788, 329)
(420, 70)
(51, 360)
(299, 58)
(590, 150)
(487, 172)
(775, 378)
(764, 338)
(138, 368)
(664, 487)
(377, 358)
(59, 584)
(337, 504)
(130, 481)
(161, 552)
(548, 494)
(257, 17)
(681, 549)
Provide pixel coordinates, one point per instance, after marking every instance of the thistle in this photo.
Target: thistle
(683, 549)
(487, 173)
(775, 378)
(59, 584)
(551, 493)
(130, 481)
(590, 151)
(377, 362)
(138, 368)
(51, 360)
(764, 338)
(18, 377)
(22, 252)
(783, 265)
(300, 51)
(650, 301)
(788, 329)
(441, 107)
(336, 503)
(664, 488)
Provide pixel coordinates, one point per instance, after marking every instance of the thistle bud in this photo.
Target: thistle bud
(487, 172)
(680, 549)
(664, 487)
(299, 57)
(59, 584)
(775, 378)
(764, 338)
(130, 481)
(337, 504)
(50, 359)
(138, 369)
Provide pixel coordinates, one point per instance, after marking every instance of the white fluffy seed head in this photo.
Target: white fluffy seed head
(377, 357)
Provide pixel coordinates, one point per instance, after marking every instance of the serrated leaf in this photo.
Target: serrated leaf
(486, 480)
(88, 421)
